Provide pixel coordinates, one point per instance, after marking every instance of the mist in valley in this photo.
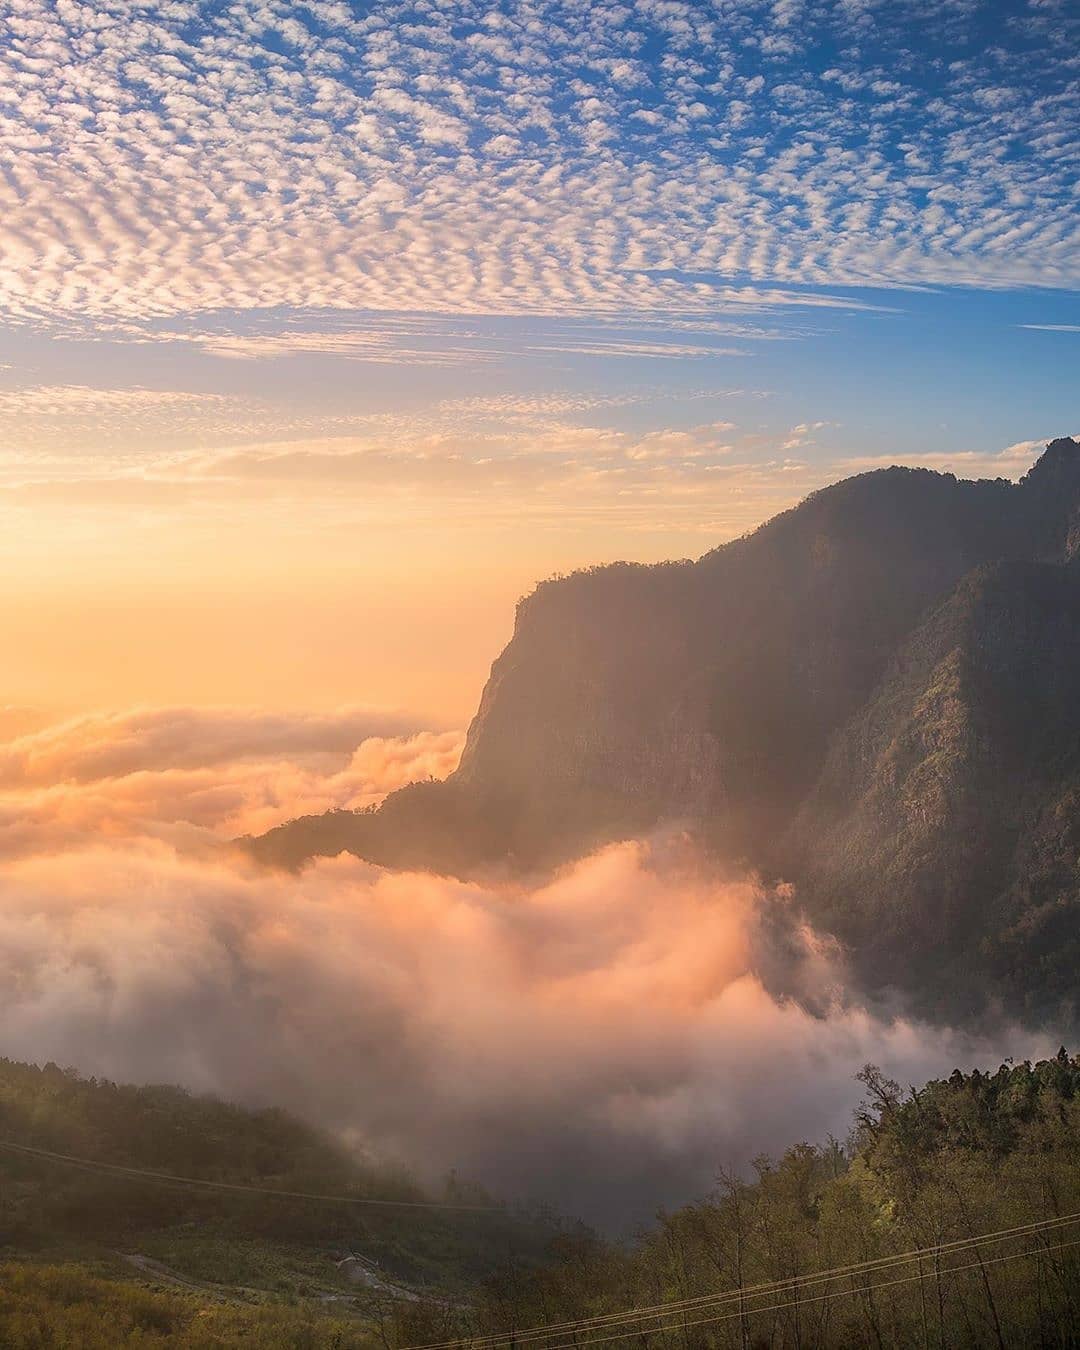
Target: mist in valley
(604, 1037)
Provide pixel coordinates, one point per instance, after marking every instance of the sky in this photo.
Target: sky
(327, 329)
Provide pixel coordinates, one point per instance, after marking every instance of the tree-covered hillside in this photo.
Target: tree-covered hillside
(234, 1254)
(926, 1171)
(944, 824)
(949, 1218)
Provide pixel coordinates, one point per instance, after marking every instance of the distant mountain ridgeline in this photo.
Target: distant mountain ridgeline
(876, 696)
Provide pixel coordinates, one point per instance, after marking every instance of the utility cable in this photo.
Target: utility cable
(817, 1298)
(168, 1179)
(874, 1266)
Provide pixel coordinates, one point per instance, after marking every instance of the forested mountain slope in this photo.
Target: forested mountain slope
(951, 1216)
(946, 822)
(244, 1232)
(814, 1250)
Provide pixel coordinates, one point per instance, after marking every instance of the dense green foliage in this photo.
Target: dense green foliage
(965, 1156)
(959, 1158)
(236, 1248)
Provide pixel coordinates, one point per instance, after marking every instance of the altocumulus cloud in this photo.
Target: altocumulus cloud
(462, 158)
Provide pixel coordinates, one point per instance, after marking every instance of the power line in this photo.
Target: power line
(758, 1290)
(664, 1310)
(168, 1179)
(819, 1298)
(659, 1313)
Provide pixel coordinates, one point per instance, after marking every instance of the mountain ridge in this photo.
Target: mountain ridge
(738, 692)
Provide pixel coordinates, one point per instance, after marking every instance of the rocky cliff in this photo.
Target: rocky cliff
(872, 695)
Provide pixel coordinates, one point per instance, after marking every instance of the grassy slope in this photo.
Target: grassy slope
(969, 1155)
(66, 1228)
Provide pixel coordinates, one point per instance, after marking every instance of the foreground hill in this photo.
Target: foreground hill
(951, 1216)
(873, 696)
(235, 1265)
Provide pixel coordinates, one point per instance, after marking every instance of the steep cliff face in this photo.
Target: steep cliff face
(595, 710)
(710, 690)
(942, 830)
(864, 696)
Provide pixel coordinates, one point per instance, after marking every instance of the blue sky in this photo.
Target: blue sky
(865, 211)
(608, 279)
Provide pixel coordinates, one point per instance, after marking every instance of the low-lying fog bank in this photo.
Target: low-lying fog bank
(605, 1039)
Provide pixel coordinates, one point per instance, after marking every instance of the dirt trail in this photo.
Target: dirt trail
(362, 1272)
(359, 1273)
(149, 1266)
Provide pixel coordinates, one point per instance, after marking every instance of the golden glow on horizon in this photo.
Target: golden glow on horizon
(316, 597)
(125, 609)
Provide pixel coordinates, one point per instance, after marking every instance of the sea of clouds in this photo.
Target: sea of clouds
(604, 1038)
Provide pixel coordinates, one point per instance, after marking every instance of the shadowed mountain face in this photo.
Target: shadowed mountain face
(944, 829)
(874, 695)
